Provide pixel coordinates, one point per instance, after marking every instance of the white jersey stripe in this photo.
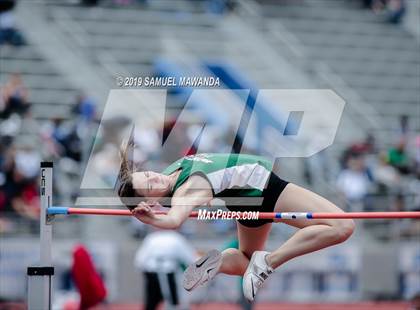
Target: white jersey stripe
(252, 175)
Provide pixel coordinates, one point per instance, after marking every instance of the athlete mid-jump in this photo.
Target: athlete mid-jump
(195, 180)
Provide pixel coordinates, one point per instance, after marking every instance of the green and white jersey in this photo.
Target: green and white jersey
(229, 174)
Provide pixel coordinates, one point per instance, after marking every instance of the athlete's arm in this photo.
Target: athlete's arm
(195, 192)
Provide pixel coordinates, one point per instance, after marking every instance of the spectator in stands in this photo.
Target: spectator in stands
(377, 6)
(85, 108)
(20, 189)
(14, 97)
(9, 34)
(83, 130)
(67, 138)
(398, 158)
(364, 148)
(396, 11)
(354, 182)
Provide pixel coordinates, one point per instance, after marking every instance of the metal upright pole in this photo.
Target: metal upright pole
(40, 277)
(46, 202)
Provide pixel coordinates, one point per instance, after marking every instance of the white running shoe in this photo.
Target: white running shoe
(202, 270)
(255, 275)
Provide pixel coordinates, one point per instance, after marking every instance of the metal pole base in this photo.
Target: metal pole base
(39, 287)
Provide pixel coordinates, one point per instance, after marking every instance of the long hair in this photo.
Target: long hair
(128, 195)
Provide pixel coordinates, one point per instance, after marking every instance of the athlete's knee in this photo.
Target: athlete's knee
(343, 229)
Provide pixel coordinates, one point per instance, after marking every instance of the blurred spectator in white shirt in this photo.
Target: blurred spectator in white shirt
(353, 182)
(160, 257)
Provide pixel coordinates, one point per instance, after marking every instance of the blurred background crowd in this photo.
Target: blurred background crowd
(59, 58)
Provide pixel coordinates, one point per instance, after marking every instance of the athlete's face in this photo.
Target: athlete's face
(151, 184)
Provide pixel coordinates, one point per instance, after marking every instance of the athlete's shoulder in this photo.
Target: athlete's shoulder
(194, 185)
(173, 167)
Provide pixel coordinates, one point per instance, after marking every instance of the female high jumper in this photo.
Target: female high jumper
(195, 180)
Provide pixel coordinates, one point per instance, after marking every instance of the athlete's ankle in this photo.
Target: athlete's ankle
(268, 261)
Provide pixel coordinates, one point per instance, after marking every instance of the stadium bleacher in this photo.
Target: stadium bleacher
(373, 65)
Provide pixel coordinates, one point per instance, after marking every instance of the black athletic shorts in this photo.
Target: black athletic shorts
(270, 194)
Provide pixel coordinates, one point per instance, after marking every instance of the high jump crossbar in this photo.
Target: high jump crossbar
(261, 215)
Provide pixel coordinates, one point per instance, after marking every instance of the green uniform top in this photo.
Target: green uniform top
(230, 175)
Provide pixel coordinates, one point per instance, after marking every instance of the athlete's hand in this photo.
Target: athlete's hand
(144, 213)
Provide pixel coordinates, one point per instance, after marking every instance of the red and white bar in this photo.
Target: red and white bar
(262, 215)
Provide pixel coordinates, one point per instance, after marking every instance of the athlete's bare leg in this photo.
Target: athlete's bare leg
(313, 235)
(235, 261)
